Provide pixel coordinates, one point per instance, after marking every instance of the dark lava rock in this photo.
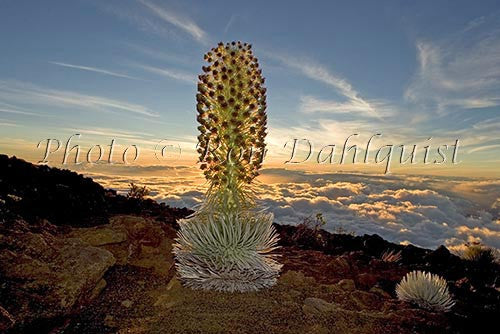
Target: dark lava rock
(411, 254)
(440, 256)
(64, 197)
(119, 204)
(374, 244)
(46, 276)
(61, 196)
(366, 280)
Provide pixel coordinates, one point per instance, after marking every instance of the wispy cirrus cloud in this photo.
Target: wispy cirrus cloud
(484, 148)
(487, 124)
(94, 69)
(459, 73)
(88, 135)
(180, 21)
(142, 22)
(26, 93)
(170, 73)
(19, 112)
(111, 132)
(11, 109)
(230, 23)
(462, 71)
(320, 73)
(353, 99)
(310, 104)
(475, 23)
(162, 55)
(7, 123)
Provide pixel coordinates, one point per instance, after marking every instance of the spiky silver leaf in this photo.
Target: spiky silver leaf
(426, 290)
(227, 251)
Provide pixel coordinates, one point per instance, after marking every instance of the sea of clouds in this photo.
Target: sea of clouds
(426, 211)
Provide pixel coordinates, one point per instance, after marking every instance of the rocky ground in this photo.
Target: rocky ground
(110, 270)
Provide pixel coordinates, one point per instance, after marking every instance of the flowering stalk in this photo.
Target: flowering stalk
(227, 245)
(231, 104)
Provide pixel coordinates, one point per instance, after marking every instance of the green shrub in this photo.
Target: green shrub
(137, 192)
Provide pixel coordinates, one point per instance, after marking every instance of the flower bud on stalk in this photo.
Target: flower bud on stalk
(235, 117)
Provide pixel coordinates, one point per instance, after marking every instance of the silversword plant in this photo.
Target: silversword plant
(426, 290)
(228, 243)
(479, 253)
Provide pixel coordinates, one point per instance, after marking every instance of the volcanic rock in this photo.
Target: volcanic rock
(45, 275)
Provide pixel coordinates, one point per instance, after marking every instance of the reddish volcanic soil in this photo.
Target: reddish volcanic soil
(76, 258)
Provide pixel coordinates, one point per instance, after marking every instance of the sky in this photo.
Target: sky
(424, 73)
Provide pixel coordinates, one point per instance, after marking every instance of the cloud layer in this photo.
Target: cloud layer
(424, 211)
